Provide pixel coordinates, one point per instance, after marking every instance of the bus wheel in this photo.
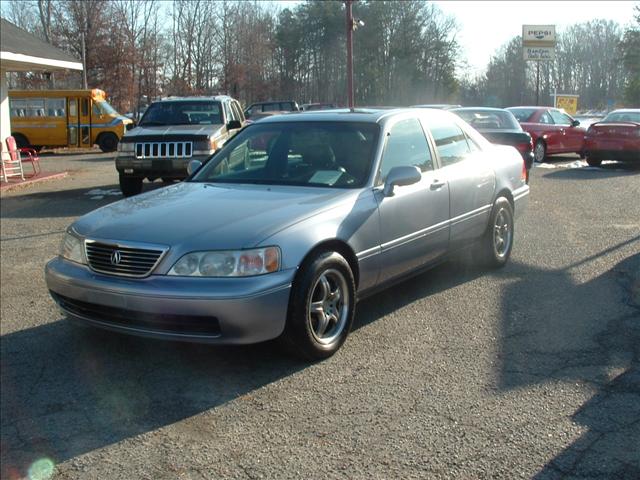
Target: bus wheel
(21, 140)
(108, 142)
(130, 186)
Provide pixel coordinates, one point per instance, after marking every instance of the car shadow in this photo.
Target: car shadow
(64, 203)
(578, 339)
(606, 170)
(70, 390)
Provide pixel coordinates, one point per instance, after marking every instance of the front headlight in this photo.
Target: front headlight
(126, 146)
(228, 263)
(72, 247)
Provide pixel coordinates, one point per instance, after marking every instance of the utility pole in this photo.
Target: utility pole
(349, 52)
(84, 64)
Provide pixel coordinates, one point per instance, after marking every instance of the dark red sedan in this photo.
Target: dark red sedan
(551, 129)
(617, 137)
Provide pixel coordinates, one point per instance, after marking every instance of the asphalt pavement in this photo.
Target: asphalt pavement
(532, 371)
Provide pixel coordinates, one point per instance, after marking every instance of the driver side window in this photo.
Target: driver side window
(406, 146)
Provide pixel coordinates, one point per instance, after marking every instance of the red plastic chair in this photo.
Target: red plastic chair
(24, 155)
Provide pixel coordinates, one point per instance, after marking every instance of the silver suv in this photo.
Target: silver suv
(173, 132)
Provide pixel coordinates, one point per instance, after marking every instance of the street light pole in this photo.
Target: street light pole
(349, 52)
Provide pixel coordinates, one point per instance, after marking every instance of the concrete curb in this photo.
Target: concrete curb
(5, 187)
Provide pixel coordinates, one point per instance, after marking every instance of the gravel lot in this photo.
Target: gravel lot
(529, 372)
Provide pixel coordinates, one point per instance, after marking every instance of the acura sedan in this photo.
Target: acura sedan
(288, 225)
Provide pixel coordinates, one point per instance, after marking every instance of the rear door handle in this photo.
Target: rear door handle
(436, 184)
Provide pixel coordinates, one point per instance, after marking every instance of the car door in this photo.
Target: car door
(470, 178)
(414, 226)
(572, 137)
(553, 134)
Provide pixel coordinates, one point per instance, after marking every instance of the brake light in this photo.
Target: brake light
(523, 174)
(524, 147)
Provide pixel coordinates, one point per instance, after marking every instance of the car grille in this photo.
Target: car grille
(164, 149)
(151, 322)
(121, 260)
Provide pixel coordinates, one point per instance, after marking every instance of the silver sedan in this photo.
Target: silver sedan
(286, 227)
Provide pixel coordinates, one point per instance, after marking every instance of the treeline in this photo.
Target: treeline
(405, 53)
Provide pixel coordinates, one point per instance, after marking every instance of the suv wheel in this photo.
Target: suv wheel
(130, 185)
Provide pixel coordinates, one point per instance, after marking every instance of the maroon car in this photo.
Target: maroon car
(616, 137)
(551, 129)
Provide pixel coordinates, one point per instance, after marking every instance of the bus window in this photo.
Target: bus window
(35, 107)
(73, 111)
(84, 104)
(55, 107)
(18, 107)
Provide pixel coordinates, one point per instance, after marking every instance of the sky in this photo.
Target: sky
(487, 25)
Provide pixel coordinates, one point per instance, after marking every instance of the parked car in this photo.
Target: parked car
(499, 126)
(287, 226)
(172, 132)
(552, 130)
(439, 106)
(255, 110)
(617, 137)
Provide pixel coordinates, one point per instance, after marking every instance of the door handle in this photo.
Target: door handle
(436, 184)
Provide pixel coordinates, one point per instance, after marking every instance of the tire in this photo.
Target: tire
(130, 185)
(321, 307)
(108, 142)
(539, 151)
(21, 140)
(167, 180)
(496, 244)
(593, 161)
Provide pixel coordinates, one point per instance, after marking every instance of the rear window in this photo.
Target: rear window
(489, 119)
(183, 113)
(623, 117)
(522, 114)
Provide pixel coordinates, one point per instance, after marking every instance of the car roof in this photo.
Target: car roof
(266, 102)
(485, 109)
(366, 115)
(625, 110)
(216, 98)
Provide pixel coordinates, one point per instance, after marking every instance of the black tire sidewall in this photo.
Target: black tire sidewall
(108, 142)
(297, 334)
(535, 149)
(130, 186)
(488, 251)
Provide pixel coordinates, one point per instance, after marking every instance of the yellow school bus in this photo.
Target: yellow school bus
(65, 118)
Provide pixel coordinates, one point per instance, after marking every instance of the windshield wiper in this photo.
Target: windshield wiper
(151, 122)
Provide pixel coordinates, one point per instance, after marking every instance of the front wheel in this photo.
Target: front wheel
(321, 308)
(130, 185)
(108, 142)
(496, 244)
(539, 151)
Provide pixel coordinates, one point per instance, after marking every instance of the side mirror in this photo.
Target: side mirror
(234, 125)
(401, 176)
(575, 123)
(193, 166)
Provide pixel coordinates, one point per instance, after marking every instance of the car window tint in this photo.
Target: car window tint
(451, 141)
(406, 146)
(522, 114)
(271, 107)
(560, 118)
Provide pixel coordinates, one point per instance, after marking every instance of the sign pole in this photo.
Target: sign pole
(537, 82)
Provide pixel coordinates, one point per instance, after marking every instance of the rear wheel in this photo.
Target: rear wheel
(321, 308)
(539, 151)
(21, 140)
(496, 244)
(130, 185)
(108, 142)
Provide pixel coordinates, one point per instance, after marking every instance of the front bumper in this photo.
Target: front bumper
(208, 310)
(156, 167)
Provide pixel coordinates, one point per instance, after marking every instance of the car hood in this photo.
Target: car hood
(170, 131)
(199, 216)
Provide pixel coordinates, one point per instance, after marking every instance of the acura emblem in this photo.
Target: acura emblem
(116, 256)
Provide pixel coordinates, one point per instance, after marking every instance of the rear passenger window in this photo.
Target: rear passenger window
(451, 142)
(406, 146)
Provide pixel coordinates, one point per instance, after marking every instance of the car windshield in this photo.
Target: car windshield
(481, 119)
(623, 117)
(522, 114)
(315, 154)
(183, 113)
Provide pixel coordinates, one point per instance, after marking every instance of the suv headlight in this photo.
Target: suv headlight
(72, 247)
(228, 263)
(128, 147)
